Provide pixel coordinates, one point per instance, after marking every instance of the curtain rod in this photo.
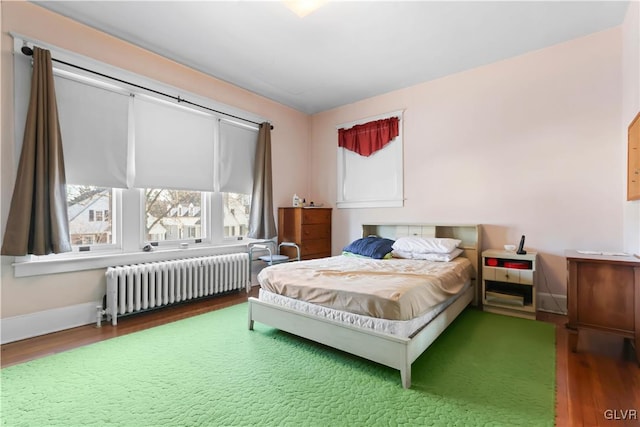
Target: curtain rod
(26, 50)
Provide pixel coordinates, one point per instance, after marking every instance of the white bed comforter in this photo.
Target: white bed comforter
(394, 289)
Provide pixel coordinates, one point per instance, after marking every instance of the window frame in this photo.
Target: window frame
(130, 202)
(391, 156)
(116, 236)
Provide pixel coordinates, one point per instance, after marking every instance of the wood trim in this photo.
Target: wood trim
(633, 159)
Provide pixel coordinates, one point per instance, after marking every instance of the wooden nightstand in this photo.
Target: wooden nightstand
(509, 283)
(603, 294)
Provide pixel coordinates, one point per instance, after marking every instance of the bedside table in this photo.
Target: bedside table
(509, 283)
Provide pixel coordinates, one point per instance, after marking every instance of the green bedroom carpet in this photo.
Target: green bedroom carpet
(209, 370)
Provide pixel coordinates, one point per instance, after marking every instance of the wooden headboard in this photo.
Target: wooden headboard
(470, 234)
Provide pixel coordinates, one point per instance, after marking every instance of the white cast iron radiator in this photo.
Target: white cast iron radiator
(133, 288)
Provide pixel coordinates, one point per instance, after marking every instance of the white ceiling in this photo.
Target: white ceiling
(344, 51)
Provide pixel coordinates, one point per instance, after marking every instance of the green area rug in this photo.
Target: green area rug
(209, 370)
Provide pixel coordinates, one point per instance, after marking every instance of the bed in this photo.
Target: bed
(395, 342)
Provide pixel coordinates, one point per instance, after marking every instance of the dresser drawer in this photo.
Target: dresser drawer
(316, 216)
(315, 256)
(310, 228)
(316, 231)
(315, 246)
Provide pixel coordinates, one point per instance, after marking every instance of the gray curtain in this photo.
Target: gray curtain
(37, 222)
(261, 222)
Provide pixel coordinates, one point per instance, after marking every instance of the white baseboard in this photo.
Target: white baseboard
(552, 303)
(45, 322)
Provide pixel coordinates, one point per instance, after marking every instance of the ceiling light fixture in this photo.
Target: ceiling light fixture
(303, 8)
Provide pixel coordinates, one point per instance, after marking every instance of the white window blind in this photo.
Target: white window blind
(174, 146)
(237, 156)
(94, 127)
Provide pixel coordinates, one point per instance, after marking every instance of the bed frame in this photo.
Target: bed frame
(395, 352)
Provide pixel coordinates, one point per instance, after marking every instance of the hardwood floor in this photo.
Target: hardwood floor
(597, 386)
(600, 384)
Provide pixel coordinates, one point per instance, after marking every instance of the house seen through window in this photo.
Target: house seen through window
(173, 214)
(170, 215)
(88, 210)
(236, 214)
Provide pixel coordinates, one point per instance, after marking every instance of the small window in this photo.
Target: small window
(86, 207)
(360, 183)
(236, 214)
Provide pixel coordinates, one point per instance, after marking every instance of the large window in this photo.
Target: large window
(173, 215)
(141, 167)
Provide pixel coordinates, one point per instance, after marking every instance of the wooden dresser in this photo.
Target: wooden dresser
(603, 295)
(309, 228)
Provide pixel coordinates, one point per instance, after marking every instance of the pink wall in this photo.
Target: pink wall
(529, 145)
(631, 107)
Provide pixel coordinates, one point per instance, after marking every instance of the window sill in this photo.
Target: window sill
(103, 260)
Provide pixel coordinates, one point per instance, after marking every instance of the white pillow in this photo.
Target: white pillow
(426, 245)
(428, 256)
(438, 257)
(402, 254)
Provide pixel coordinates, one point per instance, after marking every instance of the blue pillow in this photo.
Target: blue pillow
(372, 247)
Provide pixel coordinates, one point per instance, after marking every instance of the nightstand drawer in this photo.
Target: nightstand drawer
(507, 275)
(489, 273)
(526, 277)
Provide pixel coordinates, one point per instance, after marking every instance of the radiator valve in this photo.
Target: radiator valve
(99, 313)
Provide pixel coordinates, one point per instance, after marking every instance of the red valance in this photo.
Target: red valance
(370, 137)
